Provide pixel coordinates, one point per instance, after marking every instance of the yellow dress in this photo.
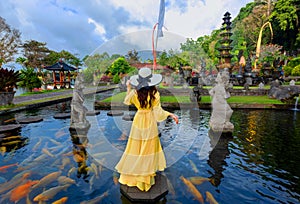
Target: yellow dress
(143, 155)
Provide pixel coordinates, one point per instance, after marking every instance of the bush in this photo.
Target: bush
(29, 79)
(287, 70)
(296, 71)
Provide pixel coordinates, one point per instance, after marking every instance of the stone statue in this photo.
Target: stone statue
(78, 110)
(221, 111)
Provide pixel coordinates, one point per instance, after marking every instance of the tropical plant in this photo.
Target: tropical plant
(8, 79)
(29, 79)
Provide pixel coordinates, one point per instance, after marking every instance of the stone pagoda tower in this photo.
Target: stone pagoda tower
(225, 48)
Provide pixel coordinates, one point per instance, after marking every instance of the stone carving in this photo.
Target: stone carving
(283, 93)
(221, 111)
(78, 110)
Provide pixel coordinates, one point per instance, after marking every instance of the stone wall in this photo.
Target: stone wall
(204, 92)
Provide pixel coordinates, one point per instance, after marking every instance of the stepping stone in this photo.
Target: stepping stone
(115, 113)
(156, 192)
(128, 117)
(62, 115)
(93, 112)
(27, 120)
(7, 128)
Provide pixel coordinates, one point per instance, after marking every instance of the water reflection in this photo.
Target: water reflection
(80, 155)
(218, 155)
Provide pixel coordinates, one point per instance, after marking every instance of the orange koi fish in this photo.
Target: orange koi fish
(4, 168)
(210, 199)
(192, 189)
(198, 180)
(61, 201)
(21, 191)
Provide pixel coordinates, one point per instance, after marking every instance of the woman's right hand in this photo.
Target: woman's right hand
(175, 117)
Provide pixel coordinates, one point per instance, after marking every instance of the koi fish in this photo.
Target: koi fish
(21, 191)
(91, 181)
(47, 179)
(210, 198)
(44, 150)
(50, 193)
(192, 189)
(28, 201)
(55, 142)
(96, 199)
(72, 170)
(94, 168)
(65, 162)
(194, 167)
(198, 180)
(4, 168)
(63, 180)
(61, 201)
(37, 144)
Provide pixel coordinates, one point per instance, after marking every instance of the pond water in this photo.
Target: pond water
(259, 163)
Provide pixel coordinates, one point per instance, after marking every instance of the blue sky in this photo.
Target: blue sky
(84, 26)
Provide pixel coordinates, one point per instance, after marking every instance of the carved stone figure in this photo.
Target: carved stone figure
(221, 111)
(78, 110)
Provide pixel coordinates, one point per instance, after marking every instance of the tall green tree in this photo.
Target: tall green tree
(10, 40)
(67, 57)
(285, 18)
(35, 52)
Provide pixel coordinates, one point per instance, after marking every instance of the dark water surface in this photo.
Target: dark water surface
(260, 163)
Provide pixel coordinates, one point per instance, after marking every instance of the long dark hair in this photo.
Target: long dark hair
(143, 94)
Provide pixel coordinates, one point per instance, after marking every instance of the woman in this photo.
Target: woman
(143, 155)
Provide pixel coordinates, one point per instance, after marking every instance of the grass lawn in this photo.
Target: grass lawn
(204, 99)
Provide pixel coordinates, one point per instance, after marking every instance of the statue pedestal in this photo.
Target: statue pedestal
(79, 128)
(227, 127)
(156, 192)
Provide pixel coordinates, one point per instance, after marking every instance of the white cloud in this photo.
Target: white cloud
(99, 29)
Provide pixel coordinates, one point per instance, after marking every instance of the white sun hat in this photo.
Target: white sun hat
(145, 78)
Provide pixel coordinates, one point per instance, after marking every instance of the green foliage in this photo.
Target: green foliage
(97, 65)
(34, 52)
(285, 20)
(116, 79)
(296, 71)
(8, 79)
(120, 66)
(287, 70)
(69, 58)
(294, 62)
(291, 65)
(29, 79)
